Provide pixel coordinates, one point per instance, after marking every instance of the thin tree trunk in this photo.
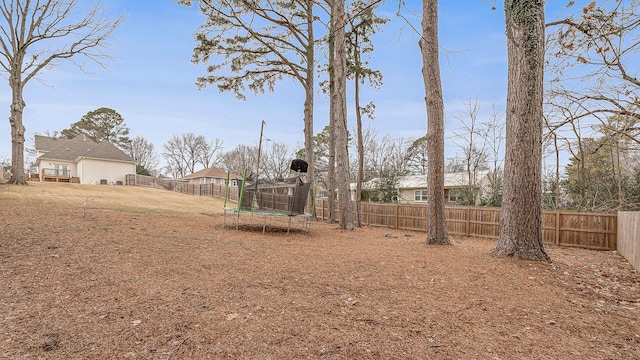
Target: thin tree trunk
(557, 189)
(436, 228)
(581, 158)
(356, 57)
(520, 223)
(621, 200)
(340, 114)
(308, 102)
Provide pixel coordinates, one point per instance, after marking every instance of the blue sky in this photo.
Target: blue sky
(151, 79)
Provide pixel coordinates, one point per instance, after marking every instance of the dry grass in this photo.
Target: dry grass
(108, 197)
(161, 278)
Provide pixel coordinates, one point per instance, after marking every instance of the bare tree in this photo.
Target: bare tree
(472, 138)
(602, 174)
(211, 153)
(455, 165)
(494, 131)
(277, 160)
(520, 222)
(593, 72)
(386, 154)
(373, 160)
(142, 150)
(240, 158)
(436, 228)
(184, 152)
(37, 35)
(592, 77)
(623, 155)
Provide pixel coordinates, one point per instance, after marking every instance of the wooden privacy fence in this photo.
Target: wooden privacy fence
(629, 236)
(182, 187)
(564, 228)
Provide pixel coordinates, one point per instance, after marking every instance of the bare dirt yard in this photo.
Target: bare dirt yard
(82, 281)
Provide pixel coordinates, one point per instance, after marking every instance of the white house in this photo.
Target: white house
(413, 188)
(211, 175)
(81, 160)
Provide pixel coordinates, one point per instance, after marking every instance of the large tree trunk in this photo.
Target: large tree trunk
(340, 114)
(520, 223)
(436, 228)
(331, 166)
(308, 102)
(17, 130)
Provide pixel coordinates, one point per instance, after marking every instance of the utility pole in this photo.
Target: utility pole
(255, 186)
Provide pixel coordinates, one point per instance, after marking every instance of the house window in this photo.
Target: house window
(234, 183)
(420, 195)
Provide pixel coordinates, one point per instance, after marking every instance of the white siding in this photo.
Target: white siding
(91, 171)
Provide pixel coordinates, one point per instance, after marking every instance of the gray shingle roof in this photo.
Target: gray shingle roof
(451, 180)
(81, 146)
(46, 143)
(212, 172)
(108, 151)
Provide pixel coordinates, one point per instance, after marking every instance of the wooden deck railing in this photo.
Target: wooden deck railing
(59, 175)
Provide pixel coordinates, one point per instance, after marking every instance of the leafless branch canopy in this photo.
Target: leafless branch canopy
(37, 34)
(253, 42)
(592, 65)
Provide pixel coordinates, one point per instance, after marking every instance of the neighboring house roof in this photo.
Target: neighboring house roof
(46, 143)
(413, 181)
(451, 180)
(367, 185)
(81, 147)
(212, 172)
(459, 179)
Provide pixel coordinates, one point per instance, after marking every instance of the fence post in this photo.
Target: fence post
(557, 227)
(397, 214)
(368, 211)
(426, 219)
(468, 221)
